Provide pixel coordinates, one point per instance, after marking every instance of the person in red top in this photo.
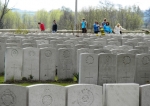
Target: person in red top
(42, 26)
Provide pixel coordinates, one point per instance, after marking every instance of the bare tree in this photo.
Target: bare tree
(4, 9)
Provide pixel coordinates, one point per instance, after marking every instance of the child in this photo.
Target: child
(102, 31)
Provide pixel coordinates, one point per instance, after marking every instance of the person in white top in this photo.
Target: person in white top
(118, 28)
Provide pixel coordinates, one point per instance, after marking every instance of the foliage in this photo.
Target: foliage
(30, 77)
(66, 20)
(3, 11)
(21, 30)
(147, 32)
(24, 79)
(41, 16)
(130, 17)
(76, 77)
(2, 73)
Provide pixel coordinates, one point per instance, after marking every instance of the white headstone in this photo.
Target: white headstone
(121, 94)
(13, 41)
(65, 63)
(126, 48)
(13, 45)
(142, 68)
(79, 51)
(144, 49)
(13, 95)
(100, 43)
(107, 68)
(126, 68)
(116, 43)
(46, 95)
(55, 42)
(42, 42)
(31, 63)
(47, 63)
(78, 46)
(84, 95)
(124, 40)
(142, 44)
(117, 51)
(28, 41)
(135, 51)
(44, 45)
(13, 64)
(72, 43)
(133, 44)
(95, 47)
(88, 68)
(85, 42)
(145, 95)
(110, 47)
(98, 51)
(2, 57)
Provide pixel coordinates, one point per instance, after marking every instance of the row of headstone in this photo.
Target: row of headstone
(75, 95)
(27, 62)
(111, 68)
(87, 41)
(38, 64)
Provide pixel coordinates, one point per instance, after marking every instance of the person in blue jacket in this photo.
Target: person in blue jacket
(107, 28)
(96, 27)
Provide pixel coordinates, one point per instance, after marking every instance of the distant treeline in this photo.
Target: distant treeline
(131, 18)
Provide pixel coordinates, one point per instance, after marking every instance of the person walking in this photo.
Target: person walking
(84, 25)
(54, 27)
(41, 26)
(118, 29)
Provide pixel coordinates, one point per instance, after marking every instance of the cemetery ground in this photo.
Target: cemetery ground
(64, 82)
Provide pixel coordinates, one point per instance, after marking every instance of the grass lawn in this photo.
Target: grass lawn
(62, 83)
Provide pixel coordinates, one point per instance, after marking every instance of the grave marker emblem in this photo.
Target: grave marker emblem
(89, 59)
(48, 53)
(14, 53)
(145, 60)
(7, 98)
(85, 97)
(126, 60)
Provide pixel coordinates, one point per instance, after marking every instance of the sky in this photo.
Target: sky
(35, 5)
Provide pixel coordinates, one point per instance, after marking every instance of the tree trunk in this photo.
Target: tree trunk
(1, 24)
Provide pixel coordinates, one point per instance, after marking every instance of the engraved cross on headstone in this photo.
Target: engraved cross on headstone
(14, 67)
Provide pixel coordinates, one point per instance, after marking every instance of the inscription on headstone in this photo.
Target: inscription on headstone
(126, 68)
(107, 68)
(142, 68)
(65, 63)
(13, 63)
(88, 68)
